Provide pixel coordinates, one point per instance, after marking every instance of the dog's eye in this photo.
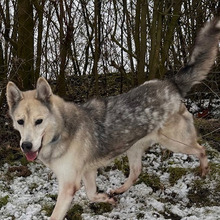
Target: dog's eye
(39, 121)
(20, 122)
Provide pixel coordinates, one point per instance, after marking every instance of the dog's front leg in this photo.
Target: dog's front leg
(89, 180)
(65, 196)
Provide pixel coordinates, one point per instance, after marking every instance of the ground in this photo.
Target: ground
(169, 187)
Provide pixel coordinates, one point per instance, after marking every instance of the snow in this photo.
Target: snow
(28, 195)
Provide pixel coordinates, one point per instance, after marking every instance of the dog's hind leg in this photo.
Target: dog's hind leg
(135, 164)
(89, 180)
(179, 135)
(183, 147)
(201, 154)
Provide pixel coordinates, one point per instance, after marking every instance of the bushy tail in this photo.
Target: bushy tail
(201, 59)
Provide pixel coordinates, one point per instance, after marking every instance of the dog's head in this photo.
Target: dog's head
(30, 112)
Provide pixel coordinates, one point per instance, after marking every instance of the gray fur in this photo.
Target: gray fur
(129, 117)
(76, 140)
(201, 59)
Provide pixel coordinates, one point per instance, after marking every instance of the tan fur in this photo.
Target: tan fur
(69, 156)
(177, 135)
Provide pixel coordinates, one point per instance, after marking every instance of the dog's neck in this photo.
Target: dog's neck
(55, 139)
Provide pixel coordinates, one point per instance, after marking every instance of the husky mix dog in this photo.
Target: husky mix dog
(74, 141)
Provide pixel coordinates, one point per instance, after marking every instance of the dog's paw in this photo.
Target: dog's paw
(114, 192)
(204, 171)
(103, 197)
(112, 199)
(118, 191)
(109, 199)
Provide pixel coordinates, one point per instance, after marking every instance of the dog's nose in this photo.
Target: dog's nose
(26, 146)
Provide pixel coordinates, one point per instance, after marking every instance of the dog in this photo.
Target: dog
(75, 140)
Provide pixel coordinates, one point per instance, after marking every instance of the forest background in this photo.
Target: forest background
(88, 48)
(99, 48)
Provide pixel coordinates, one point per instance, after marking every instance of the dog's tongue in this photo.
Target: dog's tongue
(31, 156)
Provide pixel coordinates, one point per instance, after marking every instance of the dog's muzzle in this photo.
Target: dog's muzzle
(27, 149)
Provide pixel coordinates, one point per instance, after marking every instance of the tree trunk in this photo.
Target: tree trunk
(65, 41)
(129, 41)
(168, 38)
(97, 25)
(141, 76)
(40, 10)
(2, 75)
(25, 51)
(155, 35)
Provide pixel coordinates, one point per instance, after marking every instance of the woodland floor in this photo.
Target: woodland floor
(168, 188)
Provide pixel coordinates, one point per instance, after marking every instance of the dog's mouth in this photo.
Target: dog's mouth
(31, 156)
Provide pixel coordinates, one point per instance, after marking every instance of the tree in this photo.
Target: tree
(97, 32)
(165, 20)
(59, 39)
(141, 39)
(25, 45)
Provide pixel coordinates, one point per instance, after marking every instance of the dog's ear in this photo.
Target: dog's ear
(43, 90)
(13, 94)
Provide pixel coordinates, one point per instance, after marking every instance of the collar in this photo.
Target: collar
(55, 138)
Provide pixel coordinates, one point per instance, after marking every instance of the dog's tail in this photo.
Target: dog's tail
(201, 59)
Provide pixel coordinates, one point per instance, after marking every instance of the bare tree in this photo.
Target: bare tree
(58, 39)
(25, 45)
(97, 32)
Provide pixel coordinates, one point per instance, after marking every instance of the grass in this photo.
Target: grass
(150, 180)
(176, 173)
(3, 201)
(100, 208)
